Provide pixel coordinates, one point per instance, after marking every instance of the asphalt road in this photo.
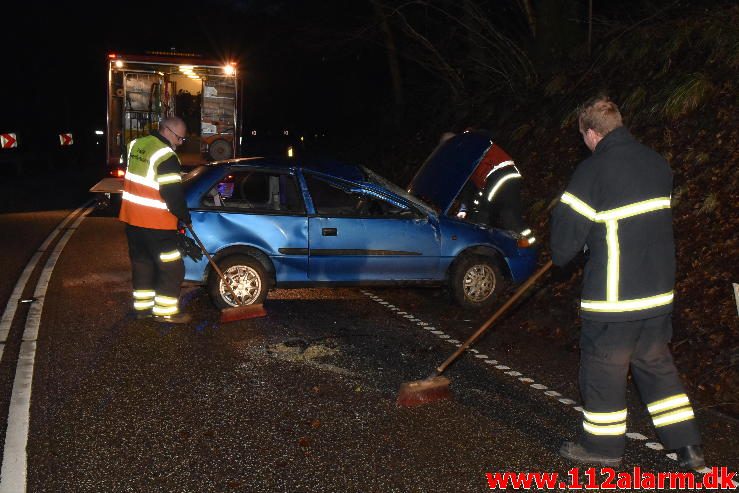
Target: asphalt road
(301, 400)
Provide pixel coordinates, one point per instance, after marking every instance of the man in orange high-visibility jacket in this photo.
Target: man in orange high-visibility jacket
(618, 205)
(152, 203)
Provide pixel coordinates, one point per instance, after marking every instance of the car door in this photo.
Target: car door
(358, 235)
(259, 209)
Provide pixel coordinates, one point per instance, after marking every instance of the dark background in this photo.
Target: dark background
(301, 68)
(311, 66)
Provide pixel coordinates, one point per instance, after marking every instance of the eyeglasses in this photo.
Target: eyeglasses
(181, 139)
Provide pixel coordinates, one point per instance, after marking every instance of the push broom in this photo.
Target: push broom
(233, 314)
(436, 387)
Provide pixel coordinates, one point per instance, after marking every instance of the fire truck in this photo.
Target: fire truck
(144, 89)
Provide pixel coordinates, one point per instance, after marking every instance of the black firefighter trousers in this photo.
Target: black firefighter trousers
(607, 350)
(157, 269)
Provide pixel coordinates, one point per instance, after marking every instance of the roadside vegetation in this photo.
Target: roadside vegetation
(673, 71)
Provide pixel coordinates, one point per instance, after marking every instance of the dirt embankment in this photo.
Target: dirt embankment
(675, 81)
(676, 84)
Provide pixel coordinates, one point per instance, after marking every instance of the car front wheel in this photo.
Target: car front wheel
(475, 280)
(247, 278)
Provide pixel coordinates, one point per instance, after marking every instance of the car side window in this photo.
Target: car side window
(257, 191)
(330, 199)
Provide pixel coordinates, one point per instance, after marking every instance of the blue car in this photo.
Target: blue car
(279, 223)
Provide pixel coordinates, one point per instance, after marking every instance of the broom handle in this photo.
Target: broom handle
(531, 280)
(212, 262)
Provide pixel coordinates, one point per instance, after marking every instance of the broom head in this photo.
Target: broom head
(421, 392)
(243, 312)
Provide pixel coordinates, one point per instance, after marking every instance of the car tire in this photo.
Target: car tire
(249, 280)
(476, 280)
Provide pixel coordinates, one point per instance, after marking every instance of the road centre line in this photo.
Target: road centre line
(14, 473)
(550, 393)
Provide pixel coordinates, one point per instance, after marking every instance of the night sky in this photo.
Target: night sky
(301, 67)
(308, 66)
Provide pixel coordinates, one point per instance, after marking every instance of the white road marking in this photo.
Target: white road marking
(636, 436)
(538, 386)
(15, 460)
(20, 285)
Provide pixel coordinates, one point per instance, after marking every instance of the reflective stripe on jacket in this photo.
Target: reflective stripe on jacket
(142, 205)
(494, 160)
(618, 206)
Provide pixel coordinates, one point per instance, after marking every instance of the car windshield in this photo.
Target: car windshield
(375, 178)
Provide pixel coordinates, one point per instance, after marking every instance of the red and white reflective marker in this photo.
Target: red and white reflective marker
(8, 141)
(66, 139)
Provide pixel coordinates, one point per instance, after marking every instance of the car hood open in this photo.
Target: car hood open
(448, 168)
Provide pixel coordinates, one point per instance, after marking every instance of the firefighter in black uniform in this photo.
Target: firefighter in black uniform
(492, 196)
(617, 206)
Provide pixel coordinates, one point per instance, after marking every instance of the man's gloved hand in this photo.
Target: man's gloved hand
(188, 247)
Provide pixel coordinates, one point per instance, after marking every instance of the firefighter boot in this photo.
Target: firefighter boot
(578, 453)
(690, 457)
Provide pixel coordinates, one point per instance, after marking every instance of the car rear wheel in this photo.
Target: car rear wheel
(475, 280)
(247, 277)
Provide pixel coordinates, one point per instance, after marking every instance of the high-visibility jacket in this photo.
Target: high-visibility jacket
(495, 177)
(495, 166)
(617, 206)
(142, 203)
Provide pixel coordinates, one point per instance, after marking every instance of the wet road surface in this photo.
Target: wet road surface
(301, 400)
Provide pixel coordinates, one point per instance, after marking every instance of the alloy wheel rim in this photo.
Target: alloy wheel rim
(245, 282)
(479, 283)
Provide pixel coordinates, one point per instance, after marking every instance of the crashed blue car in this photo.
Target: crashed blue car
(279, 223)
